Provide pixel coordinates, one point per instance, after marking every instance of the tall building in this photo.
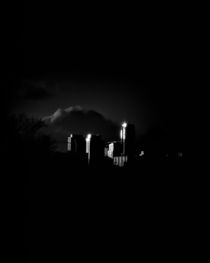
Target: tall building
(130, 141)
(127, 135)
(94, 148)
(115, 149)
(76, 144)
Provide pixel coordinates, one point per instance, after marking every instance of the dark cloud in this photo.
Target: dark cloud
(30, 90)
(80, 121)
(37, 94)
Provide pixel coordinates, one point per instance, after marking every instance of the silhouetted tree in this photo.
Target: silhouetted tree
(27, 149)
(24, 136)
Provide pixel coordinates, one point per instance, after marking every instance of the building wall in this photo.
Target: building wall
(76, 144)
(120, 160)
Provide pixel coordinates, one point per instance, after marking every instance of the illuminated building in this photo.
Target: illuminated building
(124, 150)
(110, 150)
(123, 136)
(106, 150)
(88, 138)
(69, 143)
(115, 153)
(127, 136)
(94, 148)
(120, 160)
(115, 149)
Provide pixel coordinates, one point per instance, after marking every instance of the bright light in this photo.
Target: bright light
(121, 134)
(124, 125)
(88, 137)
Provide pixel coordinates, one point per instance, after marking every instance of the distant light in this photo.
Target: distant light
(124, 125)
(88, 137)
(71, 135)
(141, 153)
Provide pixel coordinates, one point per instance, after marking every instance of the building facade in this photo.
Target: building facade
(95, 148)
(76, 144)
(128, 137)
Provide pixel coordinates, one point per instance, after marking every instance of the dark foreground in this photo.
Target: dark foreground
(91, 212)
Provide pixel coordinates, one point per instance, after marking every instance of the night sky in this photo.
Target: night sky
(114, 65)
